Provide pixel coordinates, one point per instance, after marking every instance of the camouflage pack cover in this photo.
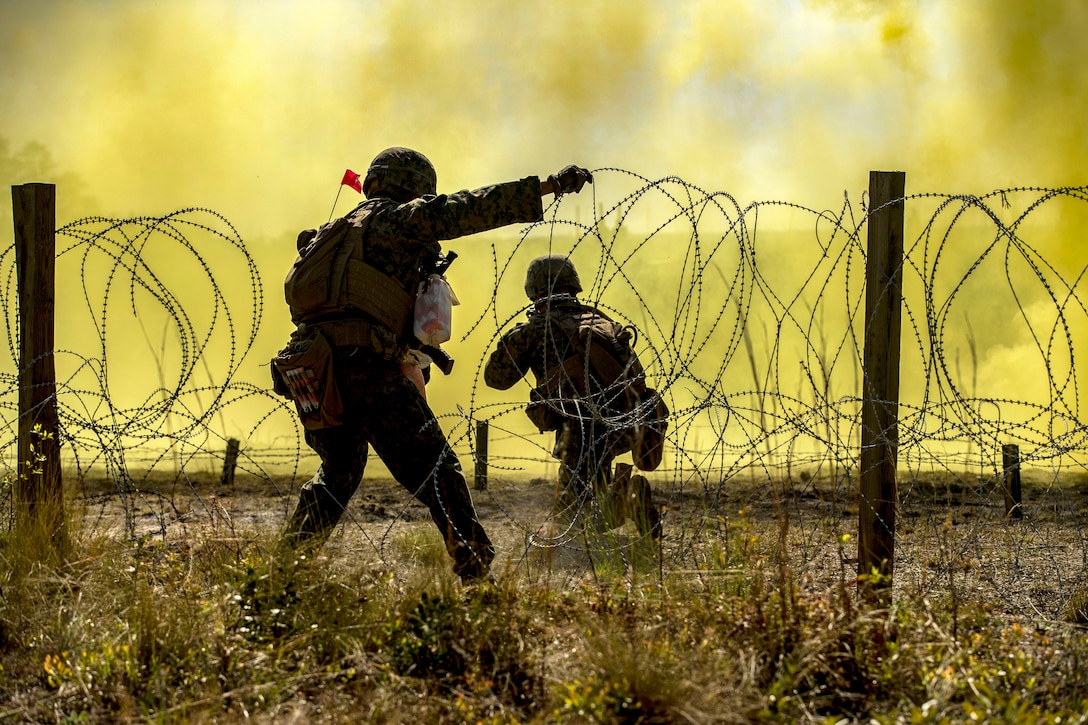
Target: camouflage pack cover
(330, 277)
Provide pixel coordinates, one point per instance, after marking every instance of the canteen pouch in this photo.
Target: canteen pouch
(433, 324)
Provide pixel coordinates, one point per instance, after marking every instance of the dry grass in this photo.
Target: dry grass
(750, 616)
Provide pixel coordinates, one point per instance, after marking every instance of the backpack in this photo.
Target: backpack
(603, 369)
(330, 277)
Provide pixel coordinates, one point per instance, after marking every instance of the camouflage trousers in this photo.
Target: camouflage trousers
(588, 488)
(384, 409)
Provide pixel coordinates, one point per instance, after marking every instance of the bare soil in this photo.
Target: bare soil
(953, 539)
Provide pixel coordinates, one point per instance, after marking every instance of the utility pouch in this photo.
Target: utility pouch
(303, 371)
(543, 412)
(649, 439)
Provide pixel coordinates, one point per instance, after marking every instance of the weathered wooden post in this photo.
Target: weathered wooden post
(230, 463)
(481, 455)
(880, 394)
(39, 492)
(1010, 459)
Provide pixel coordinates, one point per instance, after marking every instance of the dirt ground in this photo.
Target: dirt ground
(952, 539)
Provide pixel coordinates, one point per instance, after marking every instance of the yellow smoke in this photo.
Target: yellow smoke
(254, 109)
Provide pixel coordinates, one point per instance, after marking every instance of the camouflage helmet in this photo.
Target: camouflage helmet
(550, 273)
(400, 172)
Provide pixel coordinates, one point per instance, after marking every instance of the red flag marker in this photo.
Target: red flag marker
(352, 179)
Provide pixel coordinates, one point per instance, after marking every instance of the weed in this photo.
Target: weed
(215, 630)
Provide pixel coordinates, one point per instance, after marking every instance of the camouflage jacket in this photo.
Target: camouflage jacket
(402, 240)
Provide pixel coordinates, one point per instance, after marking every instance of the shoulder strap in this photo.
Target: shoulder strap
(572, 371)
(343, 252)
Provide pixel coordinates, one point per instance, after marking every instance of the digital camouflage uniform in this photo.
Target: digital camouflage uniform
(383, 408)
(589, 437)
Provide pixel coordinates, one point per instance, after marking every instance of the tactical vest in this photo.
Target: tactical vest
(331, 280)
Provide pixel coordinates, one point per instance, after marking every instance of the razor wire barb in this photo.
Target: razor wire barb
(158, 270)
(750, 320)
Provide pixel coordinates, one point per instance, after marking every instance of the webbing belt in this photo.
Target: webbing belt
(346, 333)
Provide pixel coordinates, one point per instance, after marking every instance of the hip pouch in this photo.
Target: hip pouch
(542, 411)
(303, 371)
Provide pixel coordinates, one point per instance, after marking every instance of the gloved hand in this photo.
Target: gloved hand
(570, 180)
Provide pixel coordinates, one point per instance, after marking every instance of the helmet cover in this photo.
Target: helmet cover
(398, 171)
(549, 273)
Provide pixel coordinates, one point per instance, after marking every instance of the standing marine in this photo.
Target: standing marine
(351, 294)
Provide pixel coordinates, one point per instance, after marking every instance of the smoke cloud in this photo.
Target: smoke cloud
(254, 109)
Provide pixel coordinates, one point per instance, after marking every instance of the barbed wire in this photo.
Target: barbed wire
(750, 321)
(130, 406)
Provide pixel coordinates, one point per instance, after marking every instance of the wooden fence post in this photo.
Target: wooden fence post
(1010, 459)
(481, 455)
(39, 489)
(880, 394)
(230, 462)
